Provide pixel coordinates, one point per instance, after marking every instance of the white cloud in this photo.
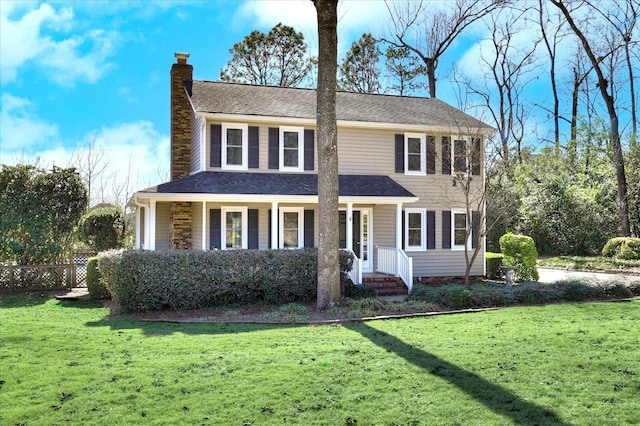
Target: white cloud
(40, 36)
(21, 131)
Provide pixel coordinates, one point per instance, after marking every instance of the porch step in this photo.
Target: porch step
(386, 285)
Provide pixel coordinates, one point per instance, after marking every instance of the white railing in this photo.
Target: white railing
(395, 262)
(356, 272)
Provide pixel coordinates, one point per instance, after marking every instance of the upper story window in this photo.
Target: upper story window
(465, 153)
(460, 235)
(291, 148)
(415, 153)
(235, 152)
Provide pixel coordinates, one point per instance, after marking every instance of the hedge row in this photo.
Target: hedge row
(181, 280)
(625, 248)
(455, 296)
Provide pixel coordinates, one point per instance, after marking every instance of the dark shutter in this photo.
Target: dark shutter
(446, 229)
(399, 153)
(269, 227)
(446, 155)
(216, 145)
(431, 230)
(215, 230)
(431, 155)
(476, 155)
(309, 161)
(308, 228)
(274, 148)
(254, 147)
(252, 221)
(475, 217)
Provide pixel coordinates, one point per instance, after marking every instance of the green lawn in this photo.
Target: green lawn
(578, 364)
(590, 263)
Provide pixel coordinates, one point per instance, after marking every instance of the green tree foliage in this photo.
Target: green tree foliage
(278, 58)
(520, 250)
(102, 228)
(39, 211)
(359, 71)
(404, 71)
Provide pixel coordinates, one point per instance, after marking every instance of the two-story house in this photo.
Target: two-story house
(244, 176)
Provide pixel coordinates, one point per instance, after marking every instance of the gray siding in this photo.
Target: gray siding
(196, 124)
(163, 235)
(196, 226)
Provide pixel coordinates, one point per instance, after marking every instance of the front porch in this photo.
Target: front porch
(392, 276)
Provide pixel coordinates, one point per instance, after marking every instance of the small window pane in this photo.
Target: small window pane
(413, 162)
(291, 140)
(460, 156)
(234, 147)
(290, 157)
(234, 230)
(290, 220)
(415, 220)
(413, 146)
(415, 237)
(460, 221)
(460, 237)
(290, 238)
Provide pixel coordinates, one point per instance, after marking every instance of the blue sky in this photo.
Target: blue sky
(75, 73)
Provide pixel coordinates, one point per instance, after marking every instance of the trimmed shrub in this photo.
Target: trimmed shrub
(362, 291)
(96, 288)
(520, 250)
(181, 280)
(494, 262)
(625, 248)
(102, 228)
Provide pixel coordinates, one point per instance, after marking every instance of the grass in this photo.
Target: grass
(63, 362)
(590, 263)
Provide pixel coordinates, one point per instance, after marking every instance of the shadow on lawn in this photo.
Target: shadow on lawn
(494, 397)
(159, 328)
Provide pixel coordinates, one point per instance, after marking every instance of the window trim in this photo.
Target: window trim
(223, 225)
(245, 146)
(281, 212)
(423, 154)
(300, 131)
(468, 140)
(423, 229)
(468, 230)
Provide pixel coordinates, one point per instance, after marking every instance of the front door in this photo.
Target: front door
(361, 241)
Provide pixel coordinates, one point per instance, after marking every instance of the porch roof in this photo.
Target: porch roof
(277, 184)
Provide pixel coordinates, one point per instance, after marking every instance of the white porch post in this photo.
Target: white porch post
(274, 225)
(350, 227)
(152, 225)
(138, 227)
(398, 235)
(204, 226)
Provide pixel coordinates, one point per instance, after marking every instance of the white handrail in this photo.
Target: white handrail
(395, 262)
(356, 271)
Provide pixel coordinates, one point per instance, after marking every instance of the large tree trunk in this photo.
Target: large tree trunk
(328, 241)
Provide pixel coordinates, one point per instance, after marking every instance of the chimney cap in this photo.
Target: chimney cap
(182, 57)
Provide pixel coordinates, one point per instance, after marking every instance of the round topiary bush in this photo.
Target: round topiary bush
(520, 250)
(102, 228)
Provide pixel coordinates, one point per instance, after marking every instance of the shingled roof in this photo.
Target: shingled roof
(226, 183)
(268, 101)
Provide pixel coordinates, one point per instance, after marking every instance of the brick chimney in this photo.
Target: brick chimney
(181, 215)
(181, 116)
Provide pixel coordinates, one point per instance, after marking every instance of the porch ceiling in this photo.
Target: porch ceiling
(277, 186)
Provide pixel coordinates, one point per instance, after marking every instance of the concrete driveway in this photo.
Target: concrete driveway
(549, 276)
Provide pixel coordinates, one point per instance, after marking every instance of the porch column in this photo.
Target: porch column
(138, 228)
(350, 226)
(274, 225)
(204, 226)
(152, 225)
(398, 235)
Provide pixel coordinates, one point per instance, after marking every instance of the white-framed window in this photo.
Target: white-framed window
(235, 142)
(460, 155)
(234, 228)
(415, 153)
(291, 149)
(291, 227)
(415, 229)
(460, 227)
